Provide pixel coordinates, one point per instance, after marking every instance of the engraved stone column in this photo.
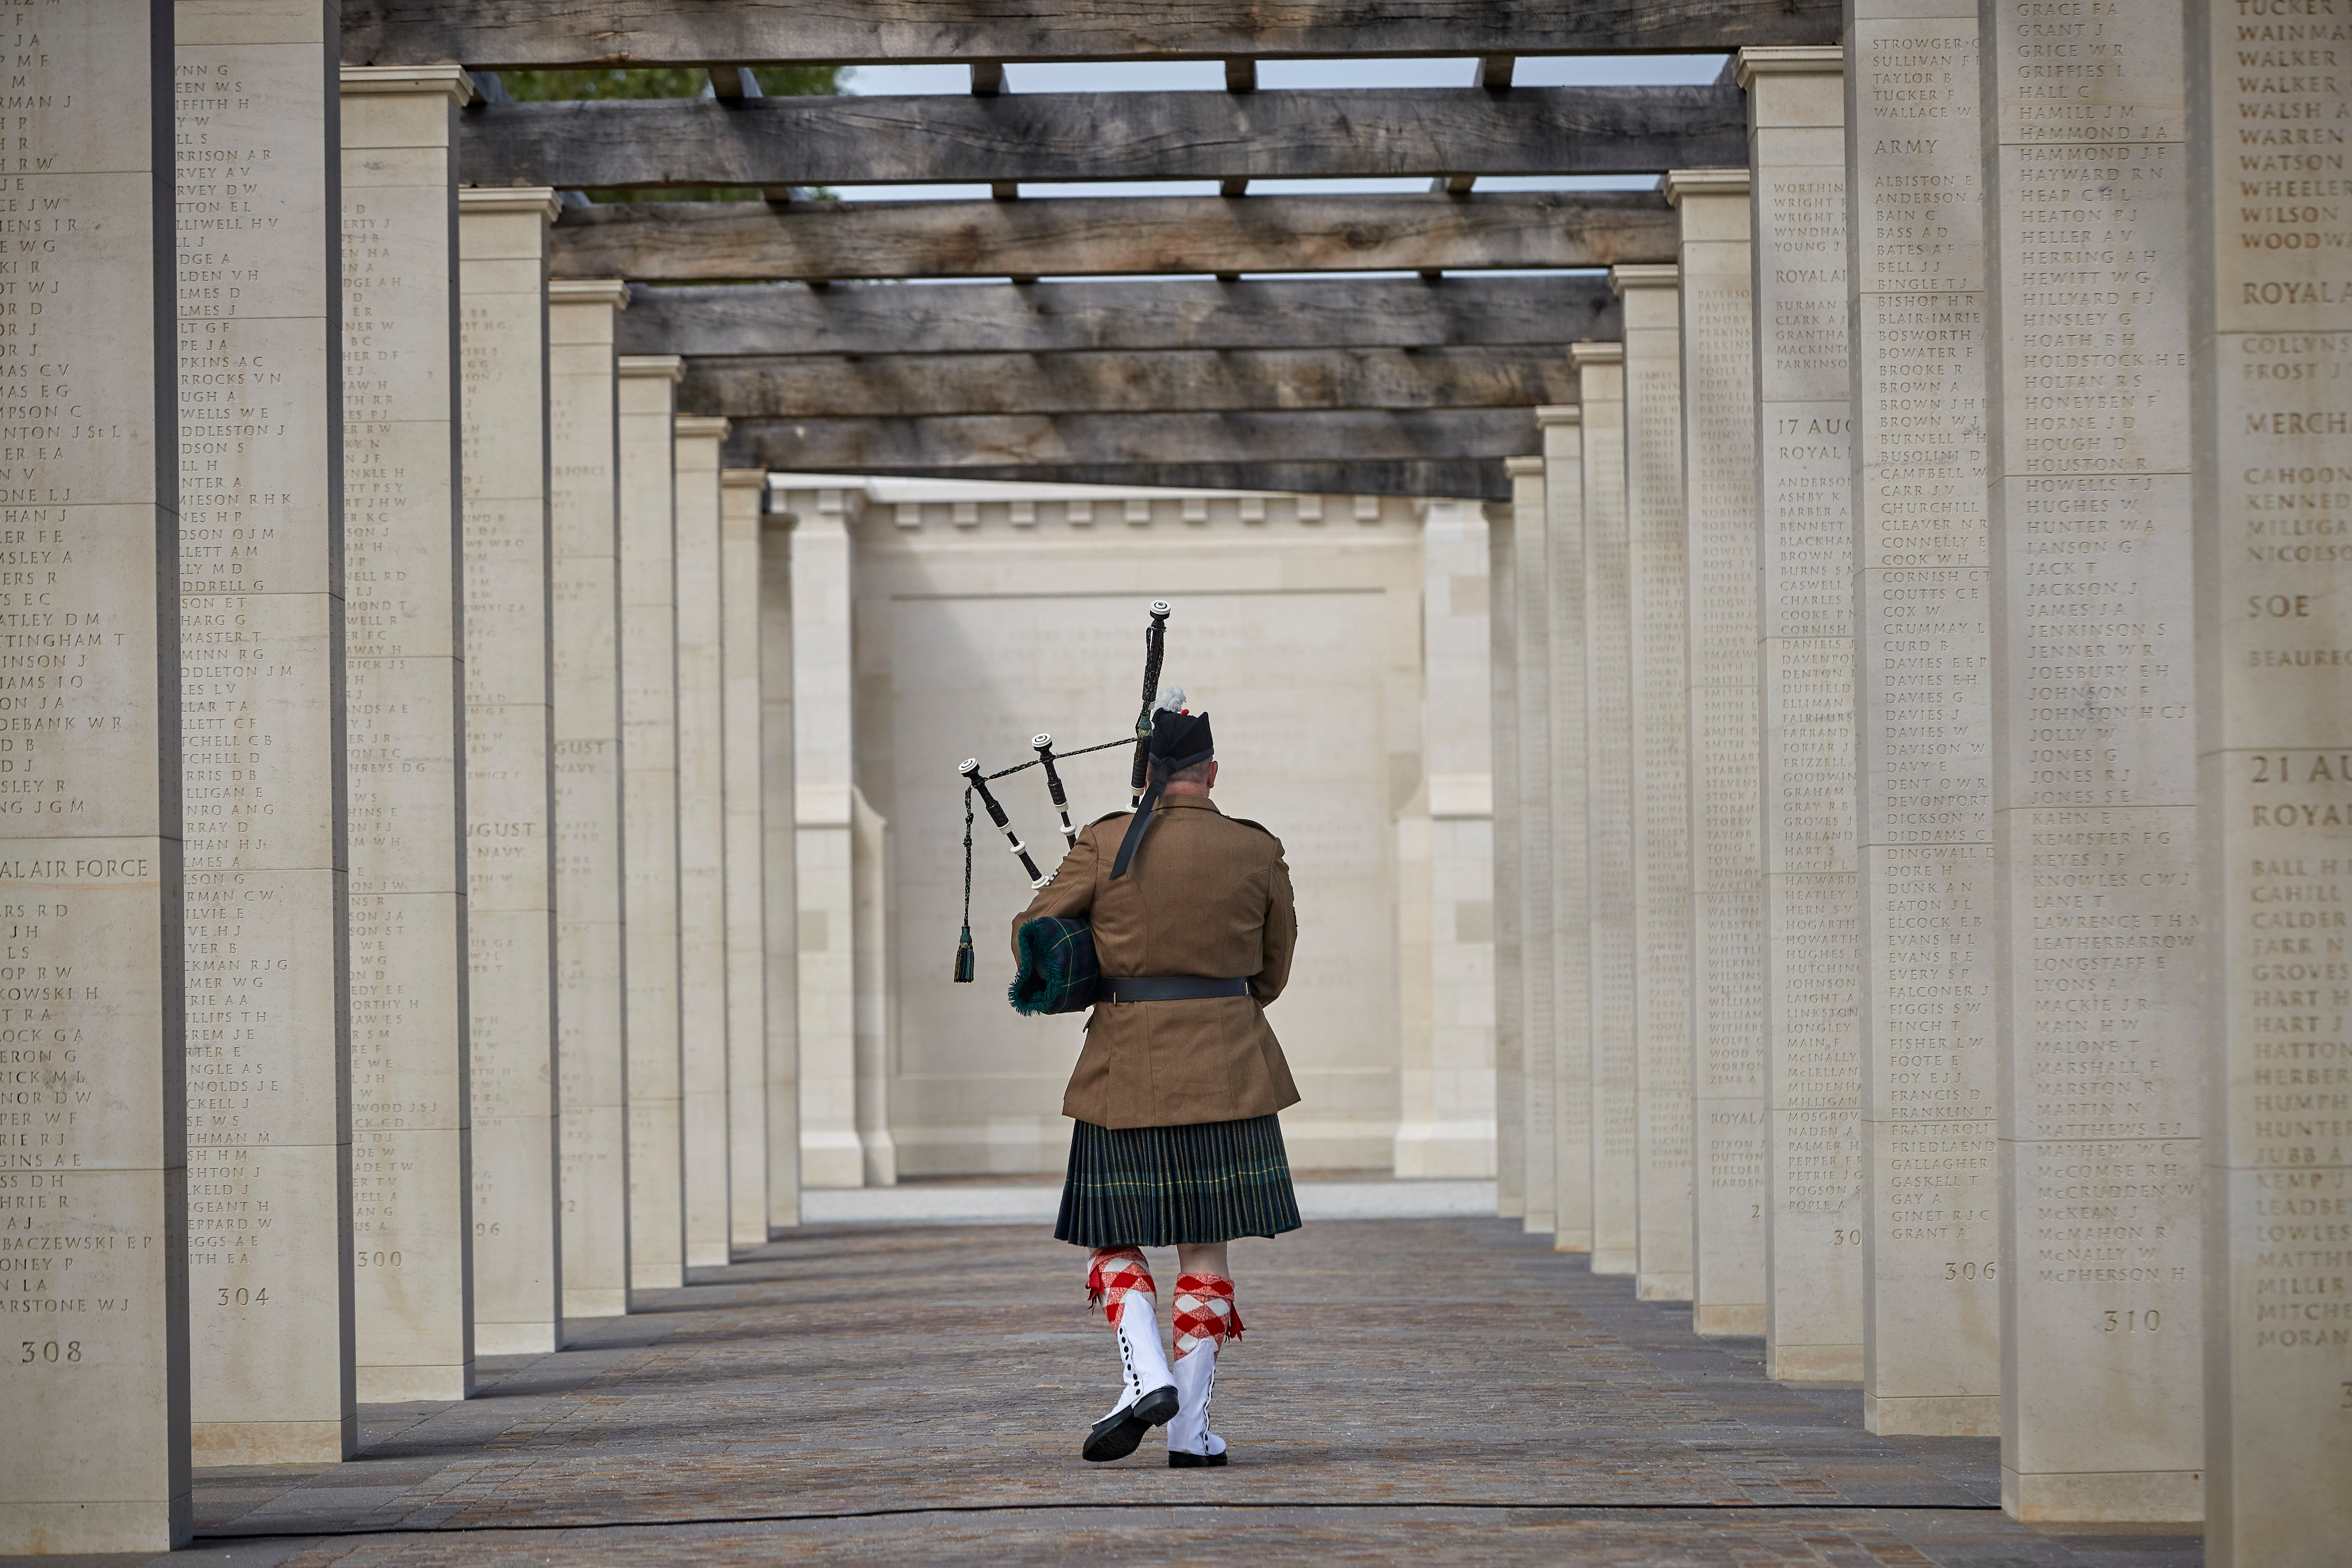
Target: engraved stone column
(743, 492)
(509, 768)
(1609, 807)
(1562, 611)
(2271, 353)
(404, 684)
(1447, 1126)
(261, 635)
(1657, 683)
(2093, 774)
(94, 1446)
(779, 834)
(831, 1155)
(1510, 873)
(648, 392)
(1531, 739)
(702, 842)
(1812, 1211)
(1727, 863)
(591, 1072)
(1922, 721)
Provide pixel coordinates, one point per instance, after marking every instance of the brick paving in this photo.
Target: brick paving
(1449, 1391)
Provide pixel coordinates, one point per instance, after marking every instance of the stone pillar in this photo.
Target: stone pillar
(1813, 1210)
(592, 1069)
(832, 1155)
(2271, 336)
(2098, 1001)
(1609, 807)
(779, 834)
(405, 686)
(1657, 576)
(1922, 721)
(743, 493)
(648, 392)
(1446, 1127)
(702, 842)
(509, 768)
(1562, 611)
(1510, 873)
(94, 1449)
(261, 635)
(1539, 1022)
(1726, 826)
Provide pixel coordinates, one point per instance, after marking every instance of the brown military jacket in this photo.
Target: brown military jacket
(1206, 895)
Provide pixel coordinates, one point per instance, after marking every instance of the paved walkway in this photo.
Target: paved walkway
(1443, 1391)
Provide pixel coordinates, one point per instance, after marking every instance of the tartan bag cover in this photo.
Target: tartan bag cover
(1058, 972)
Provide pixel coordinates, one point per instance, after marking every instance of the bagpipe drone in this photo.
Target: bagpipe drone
(1155, 649)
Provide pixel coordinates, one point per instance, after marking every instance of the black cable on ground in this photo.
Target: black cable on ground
(1267, 1505)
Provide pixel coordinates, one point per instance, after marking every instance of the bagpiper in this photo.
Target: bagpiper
(1175, 1141)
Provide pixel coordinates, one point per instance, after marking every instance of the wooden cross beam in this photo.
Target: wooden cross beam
(1460, 132)
(1460, 478)
(709, 242)
(958, 443)
(1121, 313)
(811, 386)
(529, 34)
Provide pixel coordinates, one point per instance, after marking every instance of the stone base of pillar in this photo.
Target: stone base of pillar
(1814, 1364)
(832, 1160)
(656, 1276)
(596, 1304)
(1613, 1261)
(408, 1384)
(2132, 1497)
(1662, 1287)
(273, 1442)
(1739, 1318)
(1933, 1415)
(514, 1339)
(42, 1528)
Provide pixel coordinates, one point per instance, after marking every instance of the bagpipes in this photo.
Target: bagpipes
(1155, 649)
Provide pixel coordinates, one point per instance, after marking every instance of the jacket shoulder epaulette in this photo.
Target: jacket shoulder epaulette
(1261, 827)
(1107, 816)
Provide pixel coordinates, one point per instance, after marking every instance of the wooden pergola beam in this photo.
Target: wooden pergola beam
(960, 442)
(807, 386)
(1119, 313)
(1462, 479)
(529, 34)
(1080, 136)
(709, 242)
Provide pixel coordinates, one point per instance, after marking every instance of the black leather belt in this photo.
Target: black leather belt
(1169, 988)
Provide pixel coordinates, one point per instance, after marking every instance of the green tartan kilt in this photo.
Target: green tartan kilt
(1157, 1186)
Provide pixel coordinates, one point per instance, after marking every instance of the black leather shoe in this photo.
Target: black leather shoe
(1116, 1435)
(1177, 1461)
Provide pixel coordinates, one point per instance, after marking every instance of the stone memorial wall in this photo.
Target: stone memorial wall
(1719, 380)
(94, 1451)
(2094, 765)
(648, 403)
(1510, 873)
(1571, 913)
(261, 737)
(780, 833)
(2271, 338)
(1931, 1304)
(1609, 805)
(411, 1217)
(1813, 1209)
(509, 768)
(750, 1066)
(701, 843)
(584, 617)
(1657, 681)
(1532, 632)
